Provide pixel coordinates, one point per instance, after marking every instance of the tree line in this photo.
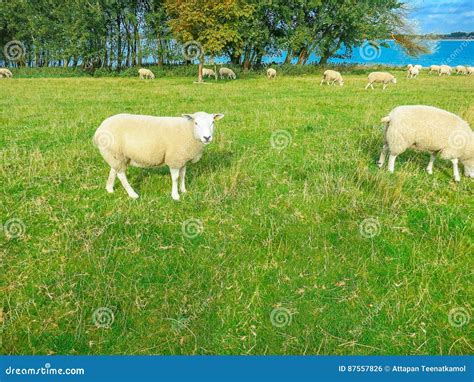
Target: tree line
(125, 33)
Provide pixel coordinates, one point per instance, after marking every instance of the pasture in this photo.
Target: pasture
(289, 241)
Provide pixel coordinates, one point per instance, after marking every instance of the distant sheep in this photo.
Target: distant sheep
(331, 77)
(209, 73)
(146, 141)
(461, 69)
(434, 69)
(146, 74)
(419, 67)
(445, 70)
(271, 73)
(428, 129)
(470, 70)
(4, 72)
(380, 77)
(413, 72)
(226, 72)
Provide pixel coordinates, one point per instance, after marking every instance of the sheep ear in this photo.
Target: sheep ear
(218, 116)
(189, 117)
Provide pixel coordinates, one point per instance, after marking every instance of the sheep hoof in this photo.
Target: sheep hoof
(183, 190)
(457, 180)
(134, 195)
(109, 190)
(175, 197)
(379, 164)
(430, 172)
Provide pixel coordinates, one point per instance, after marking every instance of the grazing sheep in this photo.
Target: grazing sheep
(470, 70)
(271, 73)
(445, 69)
(419, 67)
(461, 69)
(147, 141)
(209, 73)
(226, 72)
(146, 74)
(413, 72)
(434, 69)
(331, 77)
(409, 66)
(427, 128)
(4, 72)
(380, 77)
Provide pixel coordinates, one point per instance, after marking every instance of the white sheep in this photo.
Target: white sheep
(434, 69)
(331, 77)
(413, 72)
(226, 72)
(445, 69)
(430, 129)
(419, 67)
(271, 73)
(4, 72)
(470, 70)
(380, 77)
(461, 69)
(148, 141)
(409, 66)
(209, 73)
(146, 74)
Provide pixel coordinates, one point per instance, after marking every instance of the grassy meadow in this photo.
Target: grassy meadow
(289, 241)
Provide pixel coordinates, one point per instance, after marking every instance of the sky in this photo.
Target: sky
(442, 16)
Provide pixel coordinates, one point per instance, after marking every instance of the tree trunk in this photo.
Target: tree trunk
(246, 63)
(302, 56)
(201, 64)
(289, 56)
(119, 44)
(138, 46)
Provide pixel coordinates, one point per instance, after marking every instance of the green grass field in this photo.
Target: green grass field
(287, 242)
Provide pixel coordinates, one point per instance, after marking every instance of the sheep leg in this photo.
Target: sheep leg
(391, 163)
(182, 175)
(384, 86)
(321, 82)
(457, 177)
(383, 155)
(174, 178)
(111, 181)
(429, 169)
(367, 86)
(123, 179)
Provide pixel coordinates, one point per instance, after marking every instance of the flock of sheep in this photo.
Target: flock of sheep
(148, 141)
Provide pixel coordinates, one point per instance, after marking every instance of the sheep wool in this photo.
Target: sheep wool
(148, 141)
(271, 73)
(4, 72)
(146, 74)
(209, 73)
(445, 70)
(380, 77)
(331, 77)
(434, 69)
(413, 72)
(430, 129)
(461, 69)
(226, 72)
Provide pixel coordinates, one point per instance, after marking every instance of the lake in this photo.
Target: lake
(450, 52)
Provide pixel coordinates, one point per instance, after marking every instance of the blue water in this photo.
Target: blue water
(450, 52)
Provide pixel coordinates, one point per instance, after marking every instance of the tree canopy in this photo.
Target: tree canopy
(124, 33)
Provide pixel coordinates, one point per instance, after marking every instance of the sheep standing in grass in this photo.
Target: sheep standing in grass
(461, 69)
(470, 70)
(434, 69)
(146, 74)
(331, 77)
(209, 73)
(147, 141)
(380, 77)
(413, 72)
(430, 129)
(4, 72)
(445, 70)
(226, 72)
(271, 73)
